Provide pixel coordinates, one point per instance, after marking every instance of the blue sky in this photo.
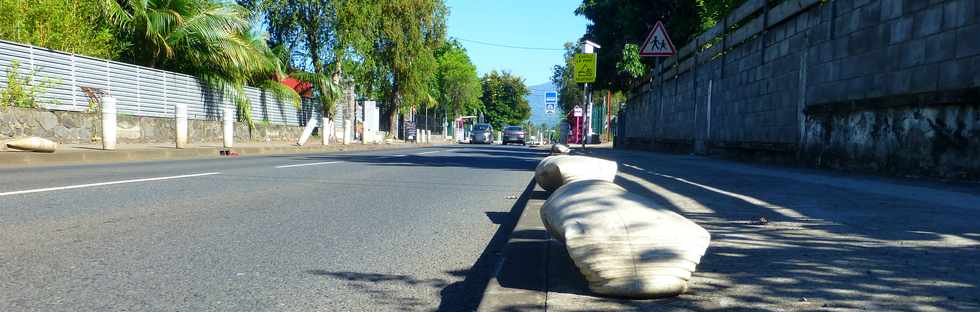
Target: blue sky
(527, 23)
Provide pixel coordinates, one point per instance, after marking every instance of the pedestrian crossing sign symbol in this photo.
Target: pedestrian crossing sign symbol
(658, 42)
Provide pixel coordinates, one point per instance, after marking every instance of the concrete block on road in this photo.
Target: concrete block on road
(624, 244)
(555, 171)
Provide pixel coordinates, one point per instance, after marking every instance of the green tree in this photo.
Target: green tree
(305, 33)
(569, 92)
(457, 84)
(616, 24)
(505, 99)
(73, 26)
(385, 46)
(213, 40)
(407, 34)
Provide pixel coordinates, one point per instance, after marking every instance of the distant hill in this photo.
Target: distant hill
(536, 100)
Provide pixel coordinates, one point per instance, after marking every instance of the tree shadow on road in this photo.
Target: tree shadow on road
(481, 161)
(820, 247)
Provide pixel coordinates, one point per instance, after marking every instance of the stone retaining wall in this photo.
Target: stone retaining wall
(887, 86)
(84, 128)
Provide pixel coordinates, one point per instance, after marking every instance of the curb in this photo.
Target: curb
(20, 159)
(520, 281)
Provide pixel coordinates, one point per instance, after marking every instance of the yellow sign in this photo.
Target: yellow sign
(585, 67)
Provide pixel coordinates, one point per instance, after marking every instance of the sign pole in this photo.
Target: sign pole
(581, 120)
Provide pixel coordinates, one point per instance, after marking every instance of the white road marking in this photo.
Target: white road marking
(309, 164)
(429, 152)
(399, 155)
(106, 183)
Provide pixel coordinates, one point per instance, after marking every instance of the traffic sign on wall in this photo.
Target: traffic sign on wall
(658, 42)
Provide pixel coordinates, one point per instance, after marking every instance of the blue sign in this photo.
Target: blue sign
(551, 97)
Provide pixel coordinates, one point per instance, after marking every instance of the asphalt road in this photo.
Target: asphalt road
(411, 229)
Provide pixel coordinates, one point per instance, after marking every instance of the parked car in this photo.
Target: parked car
(513, 134)
(482, 134)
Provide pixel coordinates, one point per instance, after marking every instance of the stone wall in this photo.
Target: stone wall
(880, 85)
(84, 128)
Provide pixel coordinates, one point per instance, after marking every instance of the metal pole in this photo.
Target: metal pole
(581, 120)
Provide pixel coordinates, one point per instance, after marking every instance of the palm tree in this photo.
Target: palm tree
(213, 40)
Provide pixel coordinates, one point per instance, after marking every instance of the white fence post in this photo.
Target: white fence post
(109, 123)
(180, 115)
(229, 127)
(307, 131)
(327, 131)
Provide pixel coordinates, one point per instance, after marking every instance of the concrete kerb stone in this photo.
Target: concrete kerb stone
(520, 282)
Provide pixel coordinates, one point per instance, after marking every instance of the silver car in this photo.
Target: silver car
(514, 134)
(482, 134)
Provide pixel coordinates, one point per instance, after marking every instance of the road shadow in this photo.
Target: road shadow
(461, 295)
(494, 159)
(818, 247)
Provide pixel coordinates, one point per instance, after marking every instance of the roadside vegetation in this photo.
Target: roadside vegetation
(395, 51)
(620, 27)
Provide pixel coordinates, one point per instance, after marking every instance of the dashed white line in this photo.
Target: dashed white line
(429, 152)
(308, 164)
(106, 183)
(399, 155)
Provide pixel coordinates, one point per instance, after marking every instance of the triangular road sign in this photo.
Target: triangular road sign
(658, 42)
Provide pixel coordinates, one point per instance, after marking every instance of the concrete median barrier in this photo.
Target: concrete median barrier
(555, 171)
(625, 245)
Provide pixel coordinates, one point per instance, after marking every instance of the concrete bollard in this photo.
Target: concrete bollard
(180, 115)
(555, 171)
(327, 131)
(109, 123)
(307, 132)
(348, 131)
(624, 244)
(229, 127)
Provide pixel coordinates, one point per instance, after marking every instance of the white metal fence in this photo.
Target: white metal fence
(140, 91)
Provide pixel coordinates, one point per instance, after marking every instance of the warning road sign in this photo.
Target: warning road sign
(585, 68)
(658, 42)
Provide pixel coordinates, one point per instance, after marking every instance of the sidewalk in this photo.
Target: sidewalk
(830, 242)
(92, 154)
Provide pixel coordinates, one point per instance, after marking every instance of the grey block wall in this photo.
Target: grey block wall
(884, 85)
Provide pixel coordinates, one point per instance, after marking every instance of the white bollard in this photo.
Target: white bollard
(229, 127)
(307, 132)
(109, 123)
(348, 131)
(327, 131)
(180, 115)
